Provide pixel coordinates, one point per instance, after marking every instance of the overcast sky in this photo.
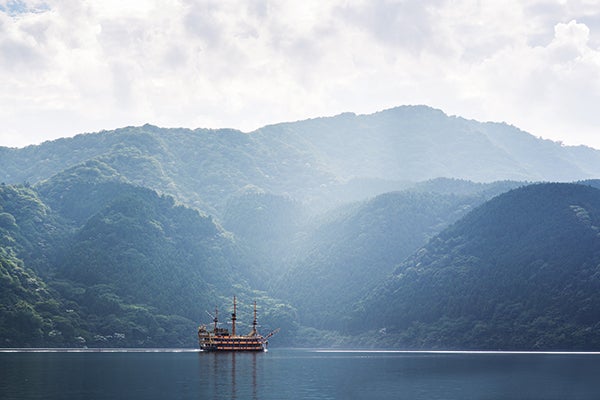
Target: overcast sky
(74, 66)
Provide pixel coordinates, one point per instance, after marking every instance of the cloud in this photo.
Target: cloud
(407, 25)
(550, 90)
(68, 67)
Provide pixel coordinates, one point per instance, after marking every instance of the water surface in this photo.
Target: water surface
(297, 374)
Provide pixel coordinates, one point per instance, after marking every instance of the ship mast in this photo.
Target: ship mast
(254, 333)
(233, 317)
(216, 318)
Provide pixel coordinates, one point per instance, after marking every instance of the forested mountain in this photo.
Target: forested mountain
(353, 249)
(417, 143)
(519, 272)
(322, 160)
(138, 270)
(27, 308)
(336, 226)
(200, 167)
(349, 249)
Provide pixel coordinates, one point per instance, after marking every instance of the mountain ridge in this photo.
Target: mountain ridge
(309, 160)
(120, 238)
(518, 272)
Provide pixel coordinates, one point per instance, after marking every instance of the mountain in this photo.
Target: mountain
(316, 161)
(112, 265)
(519, 272)
(389, 229)
(356, 248)
(24, 304)
(418, 143)
(201, 167)
(32, 313)
(342, 255)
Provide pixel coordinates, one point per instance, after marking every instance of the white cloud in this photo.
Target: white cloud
(72, 66)
(548, 90)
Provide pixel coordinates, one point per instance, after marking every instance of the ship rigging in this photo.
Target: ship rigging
(220, 339)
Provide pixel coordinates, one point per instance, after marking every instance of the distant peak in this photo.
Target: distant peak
(347, 114)
(413, 110)
(150, 128)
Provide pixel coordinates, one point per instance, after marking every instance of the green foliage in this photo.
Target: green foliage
(352, 251)
(519, 272)
(314, 161)
(7, 221)
(28, 310)
(152, 251)
(80, 192)
(28, 228)
(93, 255)
(120, 276)
(201, 168)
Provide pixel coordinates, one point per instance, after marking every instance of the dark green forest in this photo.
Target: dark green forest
(520, 272)
(401, 229)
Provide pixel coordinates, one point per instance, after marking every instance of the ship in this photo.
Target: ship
(220, 339)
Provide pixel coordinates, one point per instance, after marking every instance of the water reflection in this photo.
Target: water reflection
(298, 374)
(229, 375)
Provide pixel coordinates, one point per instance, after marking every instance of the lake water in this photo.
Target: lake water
(297, 374)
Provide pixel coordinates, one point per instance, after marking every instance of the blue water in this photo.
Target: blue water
(297, 374)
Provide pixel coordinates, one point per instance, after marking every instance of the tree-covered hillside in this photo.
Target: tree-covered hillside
(323, 161)
(121, 265)
(392, 224)
(339, 257)
(354, 249)
(30, 312)
(418, 143)
(201, 167)
(519, 272)
(131, 269)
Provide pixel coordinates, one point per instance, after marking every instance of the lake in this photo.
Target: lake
(297, 374)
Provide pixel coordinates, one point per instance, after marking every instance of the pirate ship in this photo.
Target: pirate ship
(220, 339)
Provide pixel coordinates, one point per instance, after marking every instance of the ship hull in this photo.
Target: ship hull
(232, 344)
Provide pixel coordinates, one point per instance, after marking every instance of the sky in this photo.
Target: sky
(77, 66)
